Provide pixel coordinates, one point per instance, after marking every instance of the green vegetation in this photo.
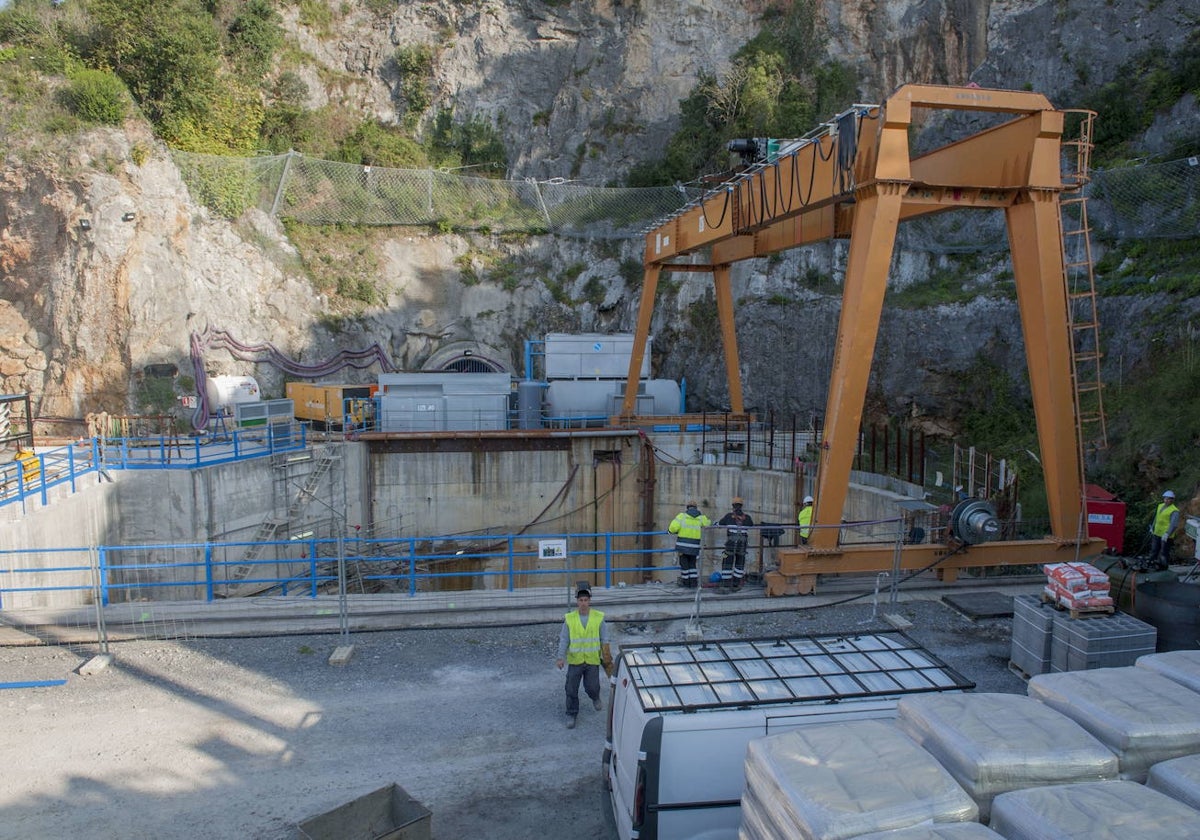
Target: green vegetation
(776, 87)
(341, 260)
(632, 272)
(215, 76)
(1154, 429)
(97, 96)
(415, 65)
(156, 394)
(946, 285)
(1143, 266)
(594, 291)
(1148, 84)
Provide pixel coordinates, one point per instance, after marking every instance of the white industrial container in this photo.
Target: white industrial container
(592, 356)
(582, 402)
(446, 401)
(223, 392)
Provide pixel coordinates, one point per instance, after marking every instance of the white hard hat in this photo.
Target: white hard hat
(808, 500)
(1168, 494)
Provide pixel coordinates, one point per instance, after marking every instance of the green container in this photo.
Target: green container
(1124, 579)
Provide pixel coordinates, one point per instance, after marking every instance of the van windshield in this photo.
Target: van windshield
(691, 676)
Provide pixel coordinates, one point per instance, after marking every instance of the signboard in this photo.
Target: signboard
(552, 549)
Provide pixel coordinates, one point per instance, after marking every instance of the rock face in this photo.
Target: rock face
(107, 265)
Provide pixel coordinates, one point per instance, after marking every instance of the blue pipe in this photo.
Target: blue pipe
(33, 684)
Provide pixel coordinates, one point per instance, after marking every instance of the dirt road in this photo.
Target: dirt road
(244, 738)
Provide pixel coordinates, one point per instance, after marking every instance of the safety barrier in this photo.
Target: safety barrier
(212, 571)
(34, 475)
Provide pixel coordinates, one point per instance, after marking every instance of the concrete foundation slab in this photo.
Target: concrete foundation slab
(980, 604)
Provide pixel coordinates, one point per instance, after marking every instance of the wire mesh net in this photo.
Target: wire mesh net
(1148, 201)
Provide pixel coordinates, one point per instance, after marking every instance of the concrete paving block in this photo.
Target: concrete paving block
(96, 664)
(341, 655)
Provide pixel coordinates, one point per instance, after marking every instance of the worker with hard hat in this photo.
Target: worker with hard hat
(737, 524)
(805, 520)
(1162, 530)
(687, 528)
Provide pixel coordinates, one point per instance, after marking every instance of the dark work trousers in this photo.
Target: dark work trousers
(687, 569)
(590, 674)
(1160, 551)
(733, 564)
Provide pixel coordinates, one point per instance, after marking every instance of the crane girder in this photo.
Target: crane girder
(860, 180)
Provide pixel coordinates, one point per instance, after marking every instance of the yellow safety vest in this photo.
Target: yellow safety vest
(1162, 519)
(585, 641)
(687, 529)
(805, 520)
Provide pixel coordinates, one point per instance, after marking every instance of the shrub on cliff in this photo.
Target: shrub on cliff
(97, 96)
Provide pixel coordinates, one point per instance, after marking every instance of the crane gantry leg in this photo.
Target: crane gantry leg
(1036, 242)
(876, 217)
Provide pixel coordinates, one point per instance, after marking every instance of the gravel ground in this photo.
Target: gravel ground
(244, 738)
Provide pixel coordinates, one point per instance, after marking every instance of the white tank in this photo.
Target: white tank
(224, 391)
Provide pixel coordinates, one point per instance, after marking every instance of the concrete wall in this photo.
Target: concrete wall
(571, 484)
(222, 503)
(577, 484)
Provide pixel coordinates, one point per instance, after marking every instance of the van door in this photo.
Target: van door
(623, 755)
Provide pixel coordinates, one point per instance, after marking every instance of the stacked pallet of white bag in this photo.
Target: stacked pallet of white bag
(841, 780)
(936, 831)
(994, 743)
(1118, 810)
(1181, 666)
(1141, 716)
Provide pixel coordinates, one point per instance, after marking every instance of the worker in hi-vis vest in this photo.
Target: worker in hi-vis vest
(1162, 530)
(687, 528)
(584, 646)
(805, 520)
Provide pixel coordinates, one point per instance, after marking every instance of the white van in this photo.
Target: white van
(682, 713)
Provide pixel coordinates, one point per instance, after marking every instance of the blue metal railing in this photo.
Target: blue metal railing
(65, 465)
(304, 568)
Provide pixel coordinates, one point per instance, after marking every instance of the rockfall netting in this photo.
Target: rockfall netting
(1139, 202)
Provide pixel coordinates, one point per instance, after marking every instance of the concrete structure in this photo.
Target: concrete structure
(393, 486)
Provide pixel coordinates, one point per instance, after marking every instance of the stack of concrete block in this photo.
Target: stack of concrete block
(1103, 641)
(1032, 632)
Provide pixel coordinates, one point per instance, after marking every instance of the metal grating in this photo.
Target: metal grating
(690, 676)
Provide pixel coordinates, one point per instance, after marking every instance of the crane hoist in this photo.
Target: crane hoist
(857, 178)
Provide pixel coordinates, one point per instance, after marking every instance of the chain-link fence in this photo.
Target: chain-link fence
(1142, 202)
(316, 191)
(1147, 202)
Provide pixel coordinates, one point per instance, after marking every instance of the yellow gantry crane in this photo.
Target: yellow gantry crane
(858, 179)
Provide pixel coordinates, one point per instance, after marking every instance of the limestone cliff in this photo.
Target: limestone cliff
(581, 90)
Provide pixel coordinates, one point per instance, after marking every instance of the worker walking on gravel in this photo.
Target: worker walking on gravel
(583, 645)
(688, 527)
(1162, 530)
